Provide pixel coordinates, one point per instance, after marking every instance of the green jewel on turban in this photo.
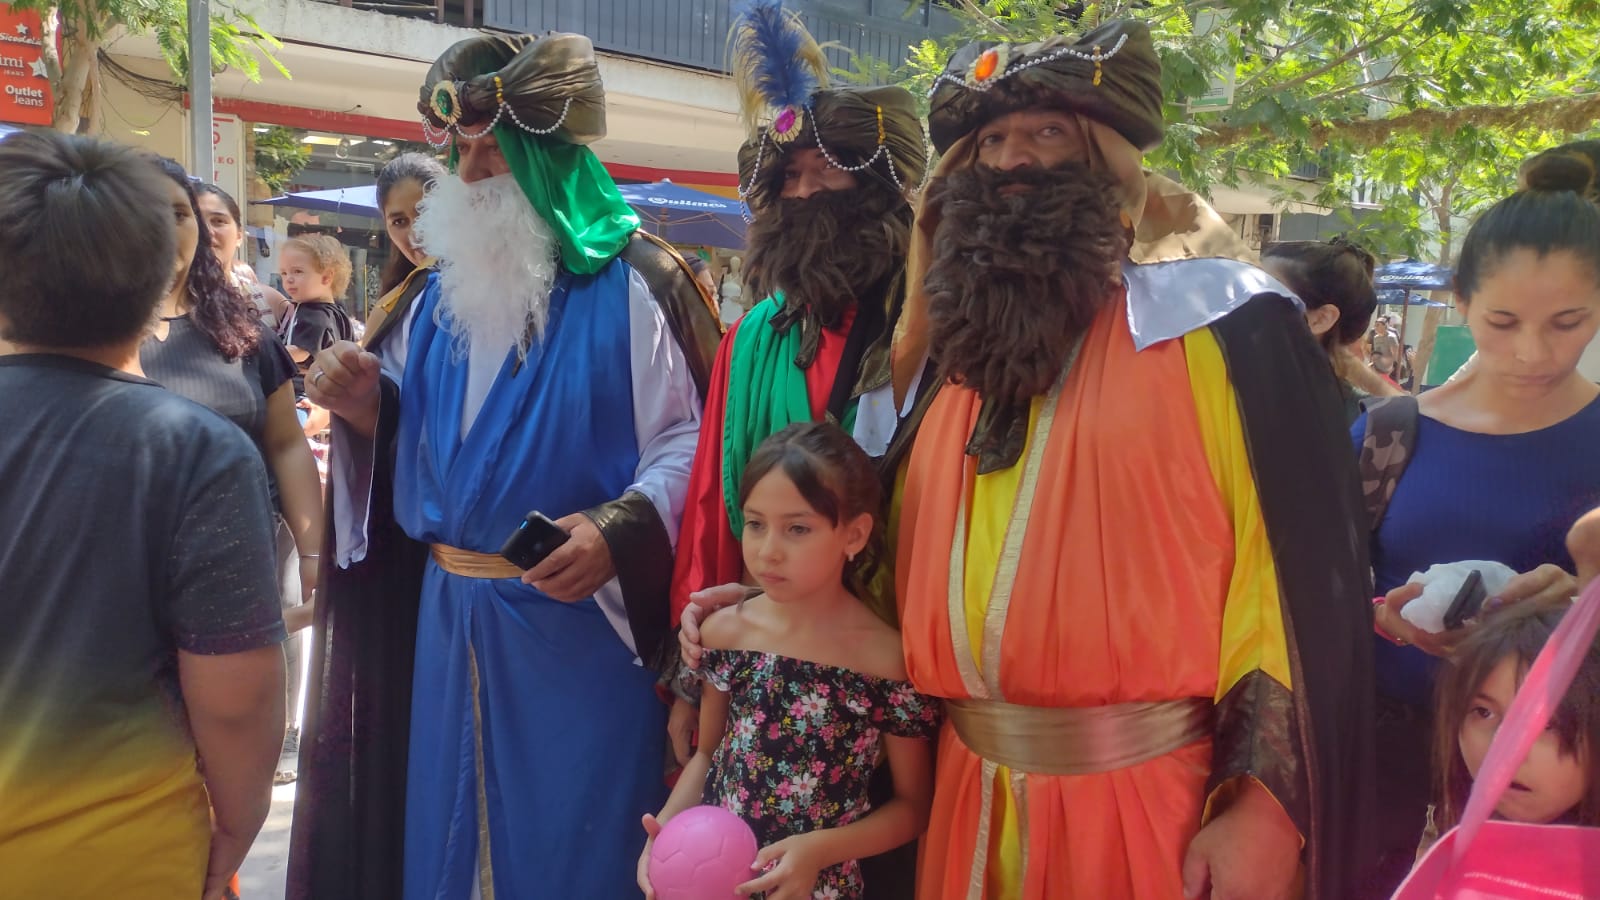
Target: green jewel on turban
(542, 99)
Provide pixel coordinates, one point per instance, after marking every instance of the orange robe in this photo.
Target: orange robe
(1142, 572)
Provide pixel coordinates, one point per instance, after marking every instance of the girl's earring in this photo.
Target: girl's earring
(850, 557)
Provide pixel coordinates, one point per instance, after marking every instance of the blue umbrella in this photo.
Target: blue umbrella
(1396, 297)
(350, 201)
(686, 216)
(1413, 275)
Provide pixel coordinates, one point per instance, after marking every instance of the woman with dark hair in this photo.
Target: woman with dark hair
(1334, 278)
(1497, 466)
(402, 184)
(210, 347)
(221, 215)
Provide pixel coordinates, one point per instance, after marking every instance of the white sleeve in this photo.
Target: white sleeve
(666, 423)
(666, 407)
(877, 418)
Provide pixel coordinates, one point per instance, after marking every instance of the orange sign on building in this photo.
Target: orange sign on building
(25, 97)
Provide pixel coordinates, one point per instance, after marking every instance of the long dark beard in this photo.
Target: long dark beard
(826, 250)
(1015, 279)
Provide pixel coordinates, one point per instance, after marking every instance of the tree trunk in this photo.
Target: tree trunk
(81, 60)
(89, 121)
(1430, 323)
(49, 47)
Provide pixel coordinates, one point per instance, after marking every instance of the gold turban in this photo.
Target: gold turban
(850, 125)
(1111, 75)
(542, 85)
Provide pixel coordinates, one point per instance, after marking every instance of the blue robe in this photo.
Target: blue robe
(568, 731)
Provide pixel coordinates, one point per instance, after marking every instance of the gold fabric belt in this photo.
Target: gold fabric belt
(472, 564)
(1078, 741)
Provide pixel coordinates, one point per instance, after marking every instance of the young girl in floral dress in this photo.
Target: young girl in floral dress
(808, 687)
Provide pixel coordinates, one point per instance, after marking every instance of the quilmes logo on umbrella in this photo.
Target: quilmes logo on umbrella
(675, 201)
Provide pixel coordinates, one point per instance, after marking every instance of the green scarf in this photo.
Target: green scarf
(573, 192)
(766, 393)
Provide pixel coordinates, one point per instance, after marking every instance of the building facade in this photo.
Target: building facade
(356, 67)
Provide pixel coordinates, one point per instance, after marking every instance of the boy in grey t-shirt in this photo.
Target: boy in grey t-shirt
(141, 682)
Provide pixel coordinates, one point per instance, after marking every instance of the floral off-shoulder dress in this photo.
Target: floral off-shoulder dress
(802, 740)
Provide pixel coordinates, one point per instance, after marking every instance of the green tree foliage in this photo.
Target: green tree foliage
(1426, 105)
(280, 154)
(237, 42)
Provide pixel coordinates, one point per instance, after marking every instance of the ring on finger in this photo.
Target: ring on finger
(316, 377)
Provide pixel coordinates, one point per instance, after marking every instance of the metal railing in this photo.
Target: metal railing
(692, 33)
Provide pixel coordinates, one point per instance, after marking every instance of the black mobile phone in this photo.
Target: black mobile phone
(536, 538)
(1469, 599)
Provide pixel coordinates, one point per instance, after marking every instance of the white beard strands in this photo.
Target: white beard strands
(497, 263)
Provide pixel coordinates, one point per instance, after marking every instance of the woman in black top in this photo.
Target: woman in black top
(210, 347)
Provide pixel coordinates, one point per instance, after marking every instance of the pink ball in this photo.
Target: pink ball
(702, 853)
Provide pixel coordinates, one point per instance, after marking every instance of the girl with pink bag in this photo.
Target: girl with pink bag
(1517, 745)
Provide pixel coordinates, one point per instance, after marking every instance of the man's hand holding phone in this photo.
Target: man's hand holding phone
(567, 559)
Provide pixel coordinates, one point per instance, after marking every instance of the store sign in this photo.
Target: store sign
(25, 96)
(227, 155)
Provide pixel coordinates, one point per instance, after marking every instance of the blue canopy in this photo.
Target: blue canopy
(686, 216)
(1414, 275)
(350, 201)
(1397, 297)
(678, 214)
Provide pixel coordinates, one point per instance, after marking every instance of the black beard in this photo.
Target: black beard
(825, 251)
(1016, 278)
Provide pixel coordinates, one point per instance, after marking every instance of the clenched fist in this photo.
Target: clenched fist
(343, 379)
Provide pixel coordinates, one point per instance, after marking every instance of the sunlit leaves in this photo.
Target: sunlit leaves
(1322, 81)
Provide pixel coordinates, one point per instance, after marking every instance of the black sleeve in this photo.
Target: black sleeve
(222, 587)
(273, 365)
(1311, 502)
(316, 326)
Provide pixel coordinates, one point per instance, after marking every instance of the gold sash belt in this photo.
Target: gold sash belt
(1078, 741)
(472, 564)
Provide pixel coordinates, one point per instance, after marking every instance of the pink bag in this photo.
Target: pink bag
(1482, 859)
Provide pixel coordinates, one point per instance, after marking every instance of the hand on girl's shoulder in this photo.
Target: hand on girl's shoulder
(724, 628)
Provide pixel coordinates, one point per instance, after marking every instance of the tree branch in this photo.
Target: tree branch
(1361, 47)
(1568, 115)
(1278, 55)
(1363, 88)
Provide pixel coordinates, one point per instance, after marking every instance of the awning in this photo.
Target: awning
(351, 201)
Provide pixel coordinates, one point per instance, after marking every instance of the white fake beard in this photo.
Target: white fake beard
(497, 262)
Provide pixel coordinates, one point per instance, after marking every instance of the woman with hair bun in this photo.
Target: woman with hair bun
(1334, 278)
(1501, 464)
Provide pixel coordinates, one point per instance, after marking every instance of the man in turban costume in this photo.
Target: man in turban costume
(827, 173)
(1130, 553)
(482, 730)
